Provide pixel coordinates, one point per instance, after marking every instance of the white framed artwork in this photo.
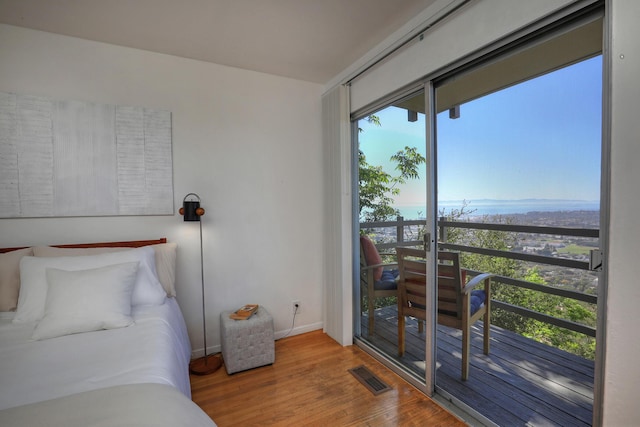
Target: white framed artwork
(75, 158)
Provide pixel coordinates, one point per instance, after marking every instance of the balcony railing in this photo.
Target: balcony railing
(409, 233)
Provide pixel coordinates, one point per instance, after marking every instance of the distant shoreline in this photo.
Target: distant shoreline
(479, 208)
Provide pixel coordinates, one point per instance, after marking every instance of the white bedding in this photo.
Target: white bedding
(155, 349)
(140, 405)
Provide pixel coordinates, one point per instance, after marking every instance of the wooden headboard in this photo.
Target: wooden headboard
(126, 244)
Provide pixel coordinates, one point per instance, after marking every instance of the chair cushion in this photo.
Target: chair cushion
(371, 256)
(477, 299)
(388, 281)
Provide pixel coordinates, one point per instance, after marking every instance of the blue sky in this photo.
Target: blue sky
(539, 139)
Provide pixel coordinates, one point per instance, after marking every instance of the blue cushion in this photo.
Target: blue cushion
(388, 281)
(477, 299)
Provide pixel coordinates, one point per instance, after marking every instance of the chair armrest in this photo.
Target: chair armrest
(480, 278)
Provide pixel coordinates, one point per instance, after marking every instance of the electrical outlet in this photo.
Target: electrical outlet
(296, 307)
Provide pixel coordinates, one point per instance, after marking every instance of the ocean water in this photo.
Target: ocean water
(504, 207)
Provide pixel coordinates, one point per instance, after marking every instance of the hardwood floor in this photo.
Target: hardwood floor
(309, 384)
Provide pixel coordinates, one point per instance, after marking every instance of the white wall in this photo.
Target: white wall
(248, 143)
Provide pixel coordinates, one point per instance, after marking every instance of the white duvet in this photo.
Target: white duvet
(139, 405)
(155, 349)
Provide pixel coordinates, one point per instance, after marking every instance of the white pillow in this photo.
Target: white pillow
(165, 260)
(33, 287)
(87, 300)
(166, 266)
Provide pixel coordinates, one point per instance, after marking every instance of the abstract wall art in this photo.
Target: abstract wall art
(75, 158)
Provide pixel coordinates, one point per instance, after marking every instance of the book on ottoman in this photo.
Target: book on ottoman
(244, 312)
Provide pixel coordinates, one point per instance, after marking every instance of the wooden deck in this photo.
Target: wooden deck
(521, 382)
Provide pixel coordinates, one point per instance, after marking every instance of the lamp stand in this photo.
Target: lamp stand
(204, 365)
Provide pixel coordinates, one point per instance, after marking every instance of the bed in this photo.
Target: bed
(94, 337)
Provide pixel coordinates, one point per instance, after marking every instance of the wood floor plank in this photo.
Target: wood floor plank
(309, 384)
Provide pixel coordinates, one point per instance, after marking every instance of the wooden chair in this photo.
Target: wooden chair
(377, 279)
(459, 304)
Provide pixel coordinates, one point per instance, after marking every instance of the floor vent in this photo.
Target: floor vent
(369, 380)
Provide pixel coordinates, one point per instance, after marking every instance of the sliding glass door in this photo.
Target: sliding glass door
(495, 163)
(518, 140)
(392, 212)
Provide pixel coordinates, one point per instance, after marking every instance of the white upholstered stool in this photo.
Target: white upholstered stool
(247, 343)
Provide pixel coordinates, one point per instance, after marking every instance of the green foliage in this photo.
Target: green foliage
(490, 239)
(409, 160)
(551, 305)
(373, 119)
(375, 191)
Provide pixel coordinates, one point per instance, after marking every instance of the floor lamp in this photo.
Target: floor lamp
(191, 211)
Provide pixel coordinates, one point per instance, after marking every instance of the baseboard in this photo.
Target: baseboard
(213, 349)
(298, 330)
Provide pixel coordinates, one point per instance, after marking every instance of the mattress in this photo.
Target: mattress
(155, 349)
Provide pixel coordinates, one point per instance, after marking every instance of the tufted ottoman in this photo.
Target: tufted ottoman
(247, 343)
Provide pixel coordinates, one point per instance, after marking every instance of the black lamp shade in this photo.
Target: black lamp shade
(190, 208)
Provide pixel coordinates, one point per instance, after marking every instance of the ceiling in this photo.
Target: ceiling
(311, 40)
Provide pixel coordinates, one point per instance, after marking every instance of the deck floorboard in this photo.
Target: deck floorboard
(520, 382)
